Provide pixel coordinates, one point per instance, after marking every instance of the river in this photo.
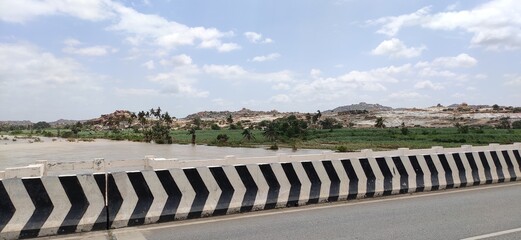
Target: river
(22, 152)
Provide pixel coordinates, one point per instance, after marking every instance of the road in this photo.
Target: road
(485, 212)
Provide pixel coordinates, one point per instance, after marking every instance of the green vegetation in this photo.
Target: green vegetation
(342, 140)
(310, 131)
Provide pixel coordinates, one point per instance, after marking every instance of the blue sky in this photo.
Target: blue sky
(78, 59)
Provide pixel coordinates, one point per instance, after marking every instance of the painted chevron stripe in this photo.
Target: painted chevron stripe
(262, 186)
(294, 192)
(284, 185)
(201, 192)
(474, 167)
(144, 198)
(187, 193)
(353, 179)
(78, 203)
(498, 166)
(46, 206)
(387, 176)
(334, 188)
(42, 204)
(7, 209)
(63, 216)
(95, 217)
(510, 165)
(227, 191)
(174, 194)
(273, 186)
(238, 189)
(251, 188)
(314, 192)
(515, 163)
(214, 191)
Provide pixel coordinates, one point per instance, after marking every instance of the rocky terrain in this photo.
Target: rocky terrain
(361, 115)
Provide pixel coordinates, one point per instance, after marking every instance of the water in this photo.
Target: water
(22, 152)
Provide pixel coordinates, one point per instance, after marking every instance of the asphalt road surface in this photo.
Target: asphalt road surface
(485, 212)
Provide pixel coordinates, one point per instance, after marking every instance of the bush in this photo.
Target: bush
(215, 127)
(341, 149)
(67, 134)
(222, 138)
(516, 124)
(274, 147)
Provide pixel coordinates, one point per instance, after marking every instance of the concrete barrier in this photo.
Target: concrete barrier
(35, 207)
(29, 206)
(151, 196)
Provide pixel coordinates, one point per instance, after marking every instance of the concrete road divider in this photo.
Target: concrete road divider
(33, 207)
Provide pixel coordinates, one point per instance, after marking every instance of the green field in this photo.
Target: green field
(345, 139)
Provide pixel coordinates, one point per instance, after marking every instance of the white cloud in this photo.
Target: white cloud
(352, 83)
(281, 86)
(236, 72)
(405, 95)
(221, 102)
(396, 48)
(167, 34)
(179, 82)
(178, 60)
(34, 82)
(257, 38)
(428, 85)
(72, 46)
(453, 6)
(225, 71)
(21, 11)
(228, 47)
(493, 25)
(281, 98)
(269, 57)
(315, 73)
(463, 60)
(149, 65)
(136, 92)
(392, 25)
(430, 72)
(433, 67)
(141, 28)
(26, 64)
(513, 80)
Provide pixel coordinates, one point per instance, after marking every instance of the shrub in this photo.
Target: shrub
(274, 147)
(516, 124)
(341, 148)
(222, 138)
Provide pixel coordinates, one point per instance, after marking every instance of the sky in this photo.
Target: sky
(78, 59)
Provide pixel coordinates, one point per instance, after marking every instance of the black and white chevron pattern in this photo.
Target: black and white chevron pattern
(35, 207)
(144, 197)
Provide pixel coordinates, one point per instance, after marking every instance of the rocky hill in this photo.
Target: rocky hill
(237, 114)
(360, 107)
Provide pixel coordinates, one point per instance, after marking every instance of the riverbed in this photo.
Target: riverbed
(22, 152)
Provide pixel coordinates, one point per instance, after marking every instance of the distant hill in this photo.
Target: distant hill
(223, 114)
(361, 107)
(63, 122)
(16, 123)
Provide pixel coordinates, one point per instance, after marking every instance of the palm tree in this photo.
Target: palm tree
(192, 132)
(247, 134)
(379, 123)
(270, 132)
(229, 119)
